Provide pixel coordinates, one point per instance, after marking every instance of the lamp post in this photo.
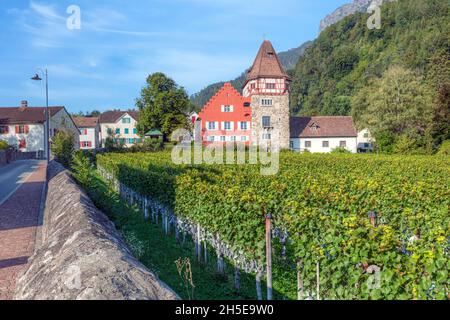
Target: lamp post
(47, 126)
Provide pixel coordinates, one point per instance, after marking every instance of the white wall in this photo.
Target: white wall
(92, 136)
(34, 139)
(298, 144)
(122, 126)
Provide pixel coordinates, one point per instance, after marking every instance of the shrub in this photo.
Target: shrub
(340, 150)
(62, 147)
(82, 169)
(3, 145)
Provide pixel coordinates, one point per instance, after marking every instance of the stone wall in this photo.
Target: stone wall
(81, 255)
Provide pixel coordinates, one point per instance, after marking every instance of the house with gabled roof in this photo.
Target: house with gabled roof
(226, 117)
(322, 134)
(121, 126)
(89, 132)
(24, 127)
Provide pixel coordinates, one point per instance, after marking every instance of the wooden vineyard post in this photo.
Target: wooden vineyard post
(237, 278)
(269, 255)
(205, 250)
(299, 281)
(199, 244)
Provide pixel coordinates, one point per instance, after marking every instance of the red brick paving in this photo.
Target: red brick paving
(18, 223)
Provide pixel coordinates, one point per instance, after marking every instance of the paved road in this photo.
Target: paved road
(13, 175)
(21, 187)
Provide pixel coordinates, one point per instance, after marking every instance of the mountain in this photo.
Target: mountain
(346, 10)
(288, 59)
(347, 56)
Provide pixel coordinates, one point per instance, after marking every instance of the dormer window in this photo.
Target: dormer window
(314, 127)
(126, 120)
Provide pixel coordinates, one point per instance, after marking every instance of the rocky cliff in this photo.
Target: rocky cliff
(348, 9)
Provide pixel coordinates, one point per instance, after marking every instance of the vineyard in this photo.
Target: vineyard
(344, 226)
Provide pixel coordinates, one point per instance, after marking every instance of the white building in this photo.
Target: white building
(89, 132)
(121, 126)
(323, 134)
(365, 141)
(24, 127)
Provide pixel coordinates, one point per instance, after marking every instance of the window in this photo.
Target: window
(227, 125)
(127, 131)
(291, 144)
(307, 144)
(211, 126)
(366, 135)
(109, 131)
(325, 144)
(134, 131)
(253, 86)
(126, 120)
(243, 138)
(270, 86)
(266, 102)
(118, 131)
(130, 140)
(210, 138)
(222, 138)
(227, 109)
(86, 144)
(266, 121)
(22, 129)
(243, 125)
(22, 144)
(342, 144)
(4, 129)
(83, 132)
(233, 138)
(266, 136)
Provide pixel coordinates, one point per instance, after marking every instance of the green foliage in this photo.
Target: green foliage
(340, 150)
(159, 252)
(444, 149)
(346, 70)
(322, 201)
(397, 104)
(82, 169)
(163, 105)
(3, 145)
(153, 145)
(63, 147)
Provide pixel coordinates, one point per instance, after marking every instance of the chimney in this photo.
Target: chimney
(24, 104)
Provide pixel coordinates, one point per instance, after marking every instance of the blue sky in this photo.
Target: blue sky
(105, 63)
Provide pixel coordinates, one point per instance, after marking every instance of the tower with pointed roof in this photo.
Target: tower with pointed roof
(267, 85)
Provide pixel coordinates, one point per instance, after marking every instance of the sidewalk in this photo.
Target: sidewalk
(19, 216)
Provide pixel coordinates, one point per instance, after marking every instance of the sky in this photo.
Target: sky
(104, 64)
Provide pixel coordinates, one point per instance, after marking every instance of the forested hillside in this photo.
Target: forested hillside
(394, 80)
(288, 59)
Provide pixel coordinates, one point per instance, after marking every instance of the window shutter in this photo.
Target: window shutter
(231, 108)
(222, 108)
(231, 125)
(27, 129)
(81, 144)
(90, 144)
(17, 129)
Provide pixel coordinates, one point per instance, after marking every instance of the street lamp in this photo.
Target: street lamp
(47, 129)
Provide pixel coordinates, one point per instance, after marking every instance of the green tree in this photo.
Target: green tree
(163, 105)
(396, 104)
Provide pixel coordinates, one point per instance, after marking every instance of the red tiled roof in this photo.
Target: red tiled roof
(86, 122)
(325, 126)
(115, 115)
(23, 115)
(266, 64)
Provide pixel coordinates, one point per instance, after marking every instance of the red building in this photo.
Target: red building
(226, 117)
